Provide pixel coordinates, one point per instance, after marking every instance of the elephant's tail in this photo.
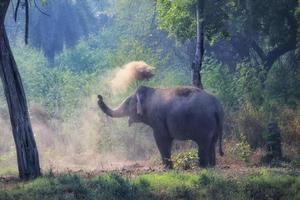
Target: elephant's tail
(219, 118)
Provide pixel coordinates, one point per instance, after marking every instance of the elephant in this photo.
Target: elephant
(182, 113)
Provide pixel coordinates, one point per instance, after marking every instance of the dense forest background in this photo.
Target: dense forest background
(251, 62)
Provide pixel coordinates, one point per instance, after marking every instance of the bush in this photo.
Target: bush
(186, 160)
(251, 123)
(290, 125)
(218, 187)
(242, 149)
(58, 89)
(271, 187)
(220, 81)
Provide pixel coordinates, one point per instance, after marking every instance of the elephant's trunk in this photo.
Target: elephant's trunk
(120, 111)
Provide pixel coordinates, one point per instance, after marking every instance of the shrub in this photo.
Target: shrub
(186, 160)
(289, 124)
(242, 149)
(220, 81)
(251, 123)
(266, 186)
(219, 187)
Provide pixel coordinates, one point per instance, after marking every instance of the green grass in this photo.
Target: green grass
(7, 156)
(205, 184)
(8, 163)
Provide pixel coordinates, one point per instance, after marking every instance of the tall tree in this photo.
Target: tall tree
(27, 153)
(269, 28)
(187, 19)
(60, 25)
(197, 63)
(297, 14)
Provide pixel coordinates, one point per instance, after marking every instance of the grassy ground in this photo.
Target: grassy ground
(262, 183)
(230, 179)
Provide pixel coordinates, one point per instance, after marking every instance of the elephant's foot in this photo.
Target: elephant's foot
(203, 164)
(206, 165)
(168, 164)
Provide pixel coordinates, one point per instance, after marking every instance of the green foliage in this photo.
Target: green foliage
(272, 20)
(170, 78)
(220, 81)
(253, 97)
(81, 58)
(219, 187)
(248, 83)
(165, 180)
(32, 65)
(171, 185)
(178, 18)
(140, 25)
(186, 160)
(58, 89)
(242, 149)
(66, 23)
(282, 84)
(297, 14)
(268, 186)
(251, 123)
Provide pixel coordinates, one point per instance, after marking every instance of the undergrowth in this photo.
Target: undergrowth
(205, 184)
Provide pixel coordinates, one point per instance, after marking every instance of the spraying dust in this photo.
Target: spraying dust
(88, 141)
(73, 145)
(133, 71)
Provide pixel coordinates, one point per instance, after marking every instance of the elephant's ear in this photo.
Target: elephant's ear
(139, 105)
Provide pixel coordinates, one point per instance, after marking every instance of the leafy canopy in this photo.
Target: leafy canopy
(178, 17)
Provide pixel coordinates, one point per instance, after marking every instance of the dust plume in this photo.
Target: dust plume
(88, 140)
(127, 74)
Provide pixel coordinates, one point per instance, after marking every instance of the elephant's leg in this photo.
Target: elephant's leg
(203, 154)
(164, 145)
(212, 158)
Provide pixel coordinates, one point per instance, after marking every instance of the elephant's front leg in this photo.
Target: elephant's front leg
(164, 144)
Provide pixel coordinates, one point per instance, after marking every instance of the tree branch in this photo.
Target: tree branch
(26, 21)
(258, 50)
(290, 45)
(269, 58)
(16, 10)
(37, 6)
(277, 52)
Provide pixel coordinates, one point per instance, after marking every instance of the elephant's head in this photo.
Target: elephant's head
(132, 107)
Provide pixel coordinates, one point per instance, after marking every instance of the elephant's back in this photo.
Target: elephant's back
(190, 114)
(189, 97)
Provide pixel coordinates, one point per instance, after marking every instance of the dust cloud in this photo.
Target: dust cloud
(62, 145)
(127, 74)
(88, 140)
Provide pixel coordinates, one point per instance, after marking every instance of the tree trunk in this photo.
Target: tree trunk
(27, 153)
(197, 63)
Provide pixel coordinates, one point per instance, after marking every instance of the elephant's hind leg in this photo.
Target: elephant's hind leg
(212, 158)
(164, 145)
(203, 154)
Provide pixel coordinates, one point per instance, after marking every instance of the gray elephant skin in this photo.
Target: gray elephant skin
(183, 113)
